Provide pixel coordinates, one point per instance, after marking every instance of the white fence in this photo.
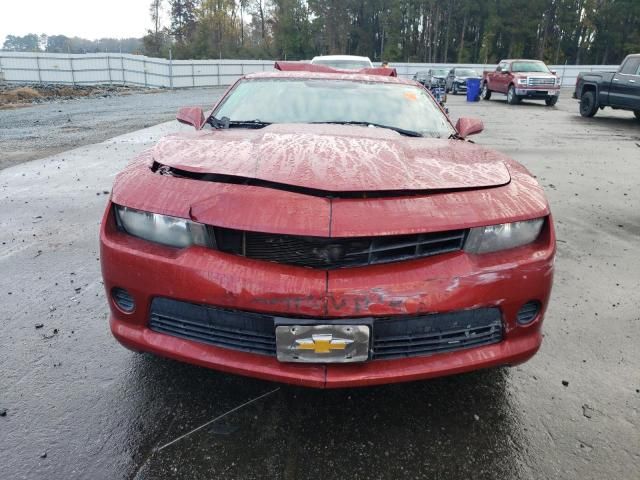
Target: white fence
(125, 69)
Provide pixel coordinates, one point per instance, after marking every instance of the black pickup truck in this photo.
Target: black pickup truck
(618, 90)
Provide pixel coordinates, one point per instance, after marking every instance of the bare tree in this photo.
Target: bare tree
(154, 10)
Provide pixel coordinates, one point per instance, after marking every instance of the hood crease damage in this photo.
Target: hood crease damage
(332, 158)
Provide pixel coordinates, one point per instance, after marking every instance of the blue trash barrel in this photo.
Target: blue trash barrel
(473, 89)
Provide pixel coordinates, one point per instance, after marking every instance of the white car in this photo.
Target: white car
(343, 62)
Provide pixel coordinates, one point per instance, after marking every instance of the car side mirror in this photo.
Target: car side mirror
(554, 71)
(469, 126)
(498, 69)
(191, 116)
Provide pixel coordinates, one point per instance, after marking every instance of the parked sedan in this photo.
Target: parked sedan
(343, 62)
(457, 79)
(436, 77)
(329, 231)
(422, 77)
(432, 78)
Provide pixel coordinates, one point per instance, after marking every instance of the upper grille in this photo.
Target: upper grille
(329, 253)
(392, 337)
(535, 81)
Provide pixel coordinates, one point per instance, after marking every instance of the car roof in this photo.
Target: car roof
(354, 77)
(521, 60)
(341, 57)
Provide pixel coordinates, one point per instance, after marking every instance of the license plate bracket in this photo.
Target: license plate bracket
(340, 342)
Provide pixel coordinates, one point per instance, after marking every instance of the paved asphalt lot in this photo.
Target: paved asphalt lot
(80, 406)
(50, 128)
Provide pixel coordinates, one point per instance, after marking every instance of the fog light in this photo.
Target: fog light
(123, 299)
(528, 312)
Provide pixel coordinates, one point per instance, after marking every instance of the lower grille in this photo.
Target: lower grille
(537, 93)
(393, 337)
(329, 253)
(246, 331)
(436, 333)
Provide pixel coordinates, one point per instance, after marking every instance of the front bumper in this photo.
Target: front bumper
(445, 283)
(539, 92)
(460, 86)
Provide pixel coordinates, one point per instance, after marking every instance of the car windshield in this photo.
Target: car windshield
(343, 64)
(466, 72)
(397, 106)
(439, 73)
(529, 67)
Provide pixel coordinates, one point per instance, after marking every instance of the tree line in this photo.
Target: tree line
(433, 31)
(63, 44)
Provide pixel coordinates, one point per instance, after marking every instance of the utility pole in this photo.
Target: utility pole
(170, 69)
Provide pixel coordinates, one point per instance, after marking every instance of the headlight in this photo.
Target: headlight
(522, 81)
(502, 237)
(558, 81)
(163, 229)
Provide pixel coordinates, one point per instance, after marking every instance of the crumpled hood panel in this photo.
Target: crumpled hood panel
(335, 158)
(260, 209)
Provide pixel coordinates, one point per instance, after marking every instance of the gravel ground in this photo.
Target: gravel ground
(75, 404)
(49, 128)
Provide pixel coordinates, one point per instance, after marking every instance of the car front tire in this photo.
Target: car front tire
(485, 93)
(588, 106)
(512, 98)
(551, 101)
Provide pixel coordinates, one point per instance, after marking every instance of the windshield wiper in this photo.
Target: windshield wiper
(225, 123)
(248, 123)
(218, 123)
(401, 131)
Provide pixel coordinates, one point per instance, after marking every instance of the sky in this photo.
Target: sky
(90, 19)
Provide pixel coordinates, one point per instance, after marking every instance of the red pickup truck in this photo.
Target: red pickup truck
(519, 79)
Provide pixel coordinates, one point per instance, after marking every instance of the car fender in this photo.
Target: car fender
(595, 86)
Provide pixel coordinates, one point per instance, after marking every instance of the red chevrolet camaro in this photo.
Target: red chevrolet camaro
(328, 230)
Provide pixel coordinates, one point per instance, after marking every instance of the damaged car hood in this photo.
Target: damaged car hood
(333, 158)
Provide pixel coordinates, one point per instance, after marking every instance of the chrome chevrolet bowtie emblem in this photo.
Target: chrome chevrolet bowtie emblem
(321, 343)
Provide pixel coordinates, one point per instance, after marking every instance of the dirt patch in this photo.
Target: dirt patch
(19, 95)
(13, 97)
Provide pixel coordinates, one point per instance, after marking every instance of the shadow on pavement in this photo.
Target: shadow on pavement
(443, 427)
